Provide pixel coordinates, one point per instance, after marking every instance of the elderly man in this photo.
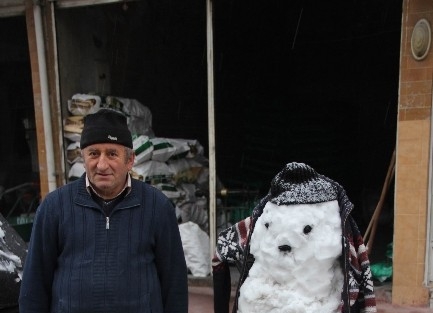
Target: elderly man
(105, 242)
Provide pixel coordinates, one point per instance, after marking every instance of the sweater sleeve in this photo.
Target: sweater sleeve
(362, 295)
(40, 263)
(230, 249)
(221, 288)
(170, 260)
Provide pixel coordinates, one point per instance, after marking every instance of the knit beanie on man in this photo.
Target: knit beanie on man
(105, 126)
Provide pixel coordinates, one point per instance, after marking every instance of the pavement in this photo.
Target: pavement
(201, 298)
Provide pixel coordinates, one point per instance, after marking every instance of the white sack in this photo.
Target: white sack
(171, 191)
(82, 104)
(139, 116)
(162, 149)
(76, 171)
(153, 171)
(196, 247)
(143, 148)
(73, 153)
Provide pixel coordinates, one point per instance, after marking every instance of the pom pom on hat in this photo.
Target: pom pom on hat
(105, 126)
(298, 183)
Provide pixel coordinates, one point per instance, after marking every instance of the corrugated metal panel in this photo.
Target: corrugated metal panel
(81, 3)
(12, 8)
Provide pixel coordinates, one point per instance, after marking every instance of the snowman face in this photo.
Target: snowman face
(290, 236)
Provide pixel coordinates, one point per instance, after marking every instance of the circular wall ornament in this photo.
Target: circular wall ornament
(421, 38)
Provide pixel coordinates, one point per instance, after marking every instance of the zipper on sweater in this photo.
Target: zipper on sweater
(107, 222)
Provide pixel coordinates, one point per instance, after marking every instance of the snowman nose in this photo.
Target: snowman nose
(285, 248)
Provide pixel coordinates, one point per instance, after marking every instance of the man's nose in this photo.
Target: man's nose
(102, 162)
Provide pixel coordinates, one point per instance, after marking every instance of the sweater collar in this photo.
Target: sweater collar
(83, 197)
(127, 187)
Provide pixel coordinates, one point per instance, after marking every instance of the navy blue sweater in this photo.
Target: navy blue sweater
(80, 260)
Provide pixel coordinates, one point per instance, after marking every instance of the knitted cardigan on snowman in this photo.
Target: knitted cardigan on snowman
(233, 248)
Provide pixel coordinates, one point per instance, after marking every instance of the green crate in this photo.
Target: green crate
(239, 214)
(23, 225)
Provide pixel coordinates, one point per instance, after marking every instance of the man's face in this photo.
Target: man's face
(107, 166)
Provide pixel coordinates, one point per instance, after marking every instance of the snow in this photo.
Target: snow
(296, 269)
(9, 262)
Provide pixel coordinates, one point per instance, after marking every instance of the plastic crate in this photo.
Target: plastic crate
(22, 224)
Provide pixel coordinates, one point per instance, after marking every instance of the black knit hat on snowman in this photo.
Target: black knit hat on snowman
(298, 183)
(105, 126)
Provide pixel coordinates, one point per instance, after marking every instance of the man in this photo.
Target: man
(105, 242)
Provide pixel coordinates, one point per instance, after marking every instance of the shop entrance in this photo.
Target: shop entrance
(19, 169)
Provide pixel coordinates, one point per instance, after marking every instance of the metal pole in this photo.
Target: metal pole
(211, 129)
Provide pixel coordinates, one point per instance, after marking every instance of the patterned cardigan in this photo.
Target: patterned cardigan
(233, 248)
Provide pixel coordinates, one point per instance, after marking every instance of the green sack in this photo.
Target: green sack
(381, 271)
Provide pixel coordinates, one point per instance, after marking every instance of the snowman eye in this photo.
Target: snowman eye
(307, 229)
(267, 225)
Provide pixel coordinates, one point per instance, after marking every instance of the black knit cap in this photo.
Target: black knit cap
(105, 126)
(298, 183)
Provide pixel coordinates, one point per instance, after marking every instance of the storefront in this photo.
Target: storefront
(325, 96)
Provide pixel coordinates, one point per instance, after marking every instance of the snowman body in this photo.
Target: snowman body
(296, 268)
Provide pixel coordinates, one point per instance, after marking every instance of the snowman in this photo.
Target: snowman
(296, 268)
(301, 252)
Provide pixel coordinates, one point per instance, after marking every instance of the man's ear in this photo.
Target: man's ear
(130, 161)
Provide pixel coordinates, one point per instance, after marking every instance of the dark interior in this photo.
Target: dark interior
(19, 177)
(306, 81)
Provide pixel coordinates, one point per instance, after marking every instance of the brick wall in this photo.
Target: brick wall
(412, 168)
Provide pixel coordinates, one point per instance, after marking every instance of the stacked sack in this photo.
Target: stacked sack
(175, 166)
(179, 169)
(79, 106)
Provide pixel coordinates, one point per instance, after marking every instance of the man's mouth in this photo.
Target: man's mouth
(103, 175)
